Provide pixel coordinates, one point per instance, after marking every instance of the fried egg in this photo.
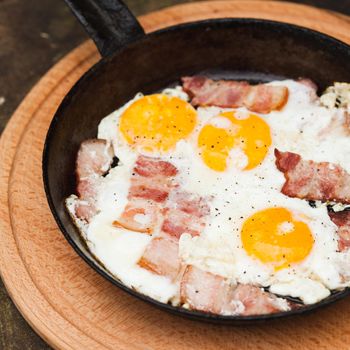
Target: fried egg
(157, 122)
(230, 130)
(274, 236)
(254, 233)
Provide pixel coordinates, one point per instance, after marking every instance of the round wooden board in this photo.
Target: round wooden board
(64, 300)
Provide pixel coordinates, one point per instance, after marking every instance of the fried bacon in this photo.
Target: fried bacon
(204, 291)
(311, 180)
(151, 182)
(258, 302)
(152, 179)
(94, 158)
(93, 161)
(185, 213)
(151, 167)
(259, 98)
(154, 196)
(139, 215)
(149, 191)
(162, 257)
(342, 220)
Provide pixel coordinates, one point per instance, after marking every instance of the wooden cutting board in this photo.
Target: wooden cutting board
(63, 299)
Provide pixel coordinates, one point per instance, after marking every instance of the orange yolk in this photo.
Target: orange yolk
(274, 237)
(157, 122)
(251, 135)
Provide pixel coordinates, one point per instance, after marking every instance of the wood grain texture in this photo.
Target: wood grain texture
(64, 300)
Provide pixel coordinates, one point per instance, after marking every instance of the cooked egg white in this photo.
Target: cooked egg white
(239, 185)
(310, 129)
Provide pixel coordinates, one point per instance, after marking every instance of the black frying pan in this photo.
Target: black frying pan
(248, 49)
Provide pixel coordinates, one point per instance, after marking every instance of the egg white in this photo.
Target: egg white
(310, 129)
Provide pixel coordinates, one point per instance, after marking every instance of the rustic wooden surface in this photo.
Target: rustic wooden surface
(34, 35)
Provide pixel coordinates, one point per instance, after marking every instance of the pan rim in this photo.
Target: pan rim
(178, 310)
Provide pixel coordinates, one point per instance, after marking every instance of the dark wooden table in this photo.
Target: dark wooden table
(34, 35)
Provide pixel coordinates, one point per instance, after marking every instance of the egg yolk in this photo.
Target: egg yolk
(157, 122)
(274, 237)
(251, 135)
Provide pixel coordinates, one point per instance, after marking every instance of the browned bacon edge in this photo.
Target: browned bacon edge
(342, 220)
(93, 161)
(259, 98)
(311, 180)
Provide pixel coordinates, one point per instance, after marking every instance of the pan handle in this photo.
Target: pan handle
(109, 23)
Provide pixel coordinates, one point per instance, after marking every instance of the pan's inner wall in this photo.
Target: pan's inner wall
(241, 49)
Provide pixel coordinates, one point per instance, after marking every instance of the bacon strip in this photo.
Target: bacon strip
(310, 180)
(258, 302)
(185, 213)
(151, 182)
(342, 220)
(93, 161)
(146, 190)
(94, 158)
(152, 179)
(204, 291)
(150, 167)
(260, 98)
(162, 257)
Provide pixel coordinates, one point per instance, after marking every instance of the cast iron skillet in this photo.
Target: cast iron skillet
(250, 49)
